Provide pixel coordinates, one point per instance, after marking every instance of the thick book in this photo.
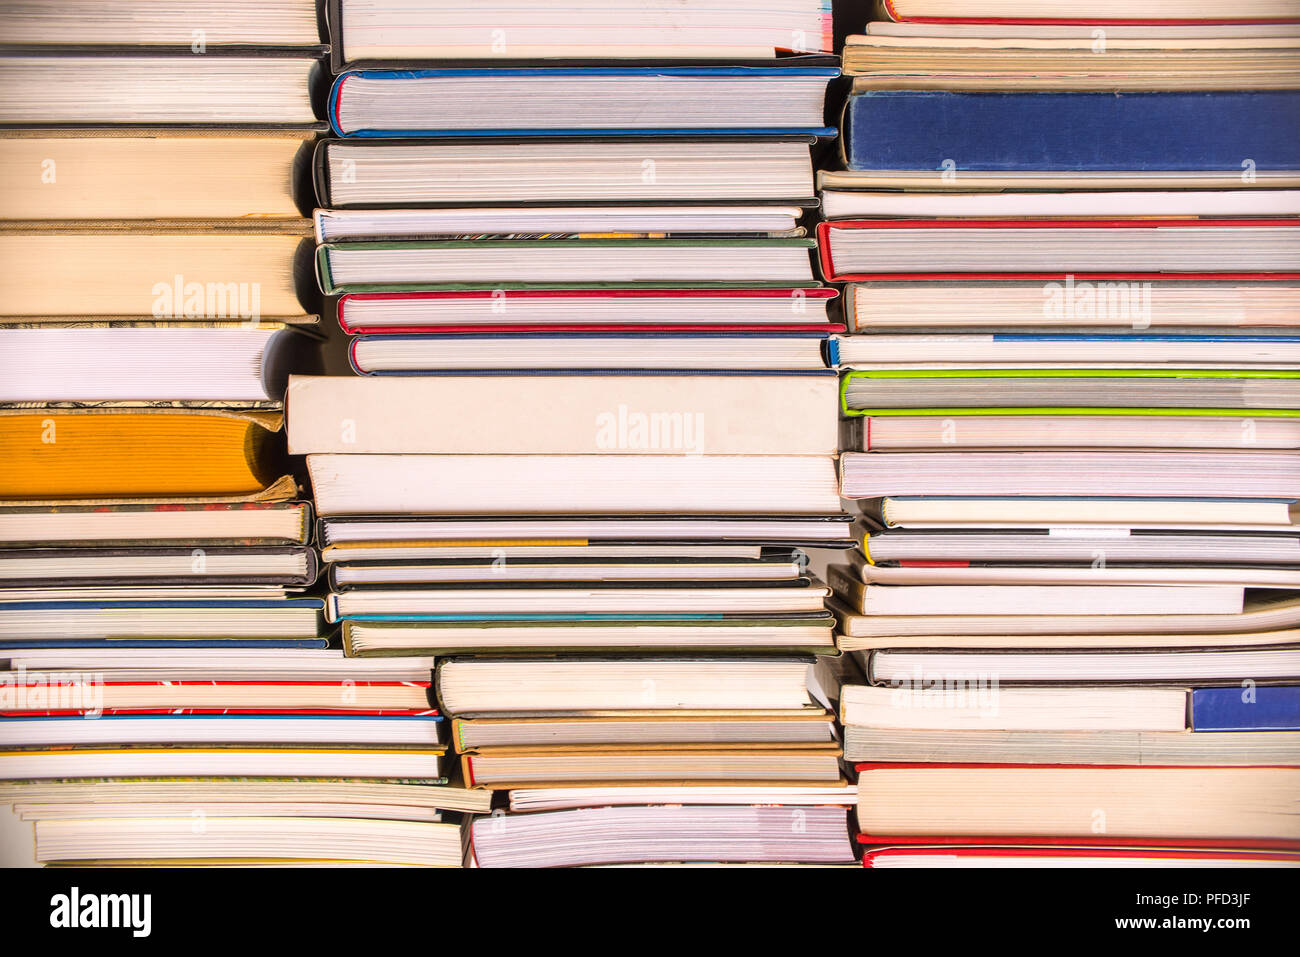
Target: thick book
(560, 263)
(362, 173)
(484, 485)
(1252, 708)
(164, 23)
(909, 746)
(613, 835)
(1191, 804)
(984, 853)
(269, 88)
(717, 415)
(415, 30)
(151, 174)
(117, 453)
(233, 364)
(582, 101)
(237, 270)
(482, 685)
(1166, 304)
(1054, 131)
(1124, 250)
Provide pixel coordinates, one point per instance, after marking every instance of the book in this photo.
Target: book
(1236, 710)
(1268, 618)
(482, 685)
(1080, 545)
(286, 523)
(163, 23)
(981, 705)
(1068, 350)
(640, 309)
(1022, 62)
(1129, 249)
(1226, 474)
(414, 603)
(1182, 131)
(234, 364)
(508, 768)
(913, 746)
(1166, 304)
(1189, 804)
(109, 453)
(557, 263)
(238, 728)
(535, 100)
(562, 798)
(588, 484)
(238, 271)
(53, 567)
(1087, 11)
(369, 173)
(556, 222)
(1170, 665)
(178, 622)
(626, 729)
(154, 174)
(408, 30)
(990, 855)
(378, 763)
(804, 634)
(946, 204)
(238, 841)
(663, 833)
(632, 415)
(270, 89)
(600, 353)
(1040, 512)
(887, 433)
(1079, 391)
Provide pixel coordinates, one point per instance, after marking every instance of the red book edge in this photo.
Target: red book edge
(967, 841)
(815, 292)
(1141, 853)
(265, 712)
(628, 328)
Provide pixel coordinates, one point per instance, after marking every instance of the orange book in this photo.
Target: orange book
(127, 453)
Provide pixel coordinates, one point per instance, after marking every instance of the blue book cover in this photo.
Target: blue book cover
(1260, 708)
(1073, 131)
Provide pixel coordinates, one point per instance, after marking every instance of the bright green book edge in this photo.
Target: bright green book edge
(1068, 374)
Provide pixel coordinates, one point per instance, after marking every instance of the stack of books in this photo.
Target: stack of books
(154, 547)
(1073, 262)
(593, 432)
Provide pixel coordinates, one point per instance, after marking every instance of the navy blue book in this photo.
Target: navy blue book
(1073, 132)
(1264, 708)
